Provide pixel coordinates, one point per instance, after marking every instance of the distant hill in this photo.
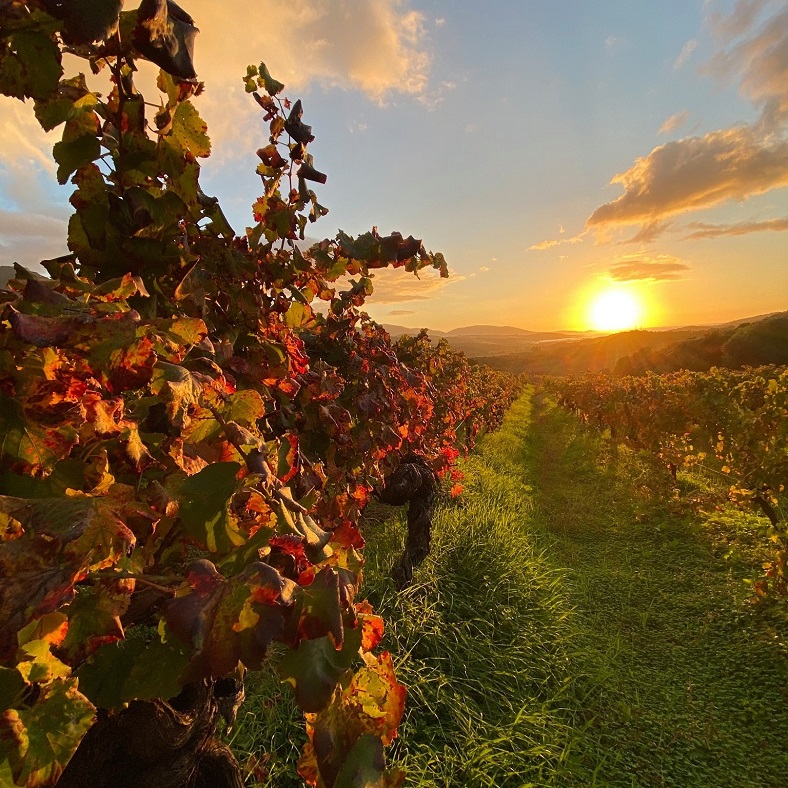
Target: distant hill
(488, 331)
(753, 341)
(742, 343)
(489, 340)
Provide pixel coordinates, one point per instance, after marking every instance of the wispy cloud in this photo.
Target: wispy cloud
(395, 285)
(700, 172)
(644, 267)
(756, 59)
(550, 243)
(685, 54)
(675, 121)
(702, 230)
(648, 233)
(399, 312)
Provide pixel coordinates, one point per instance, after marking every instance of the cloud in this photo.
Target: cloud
(695, 173)
(397, 312)
(549, 244)
(648, 233)
(675, 121)
(643, 267)
(377, 48)
(28, 238)
(738, 21)
(741, 228)
(484, 269)
(757, 59)
(684, 55)
(395, 285)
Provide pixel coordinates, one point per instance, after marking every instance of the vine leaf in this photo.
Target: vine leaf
(225, 621)
(88, 20)
(165, 35)
(204, 511)
(369, 708)
(37, 743)
(314, 668)
(27, 445)
(29, 64)
(136, 669)
(61, 540)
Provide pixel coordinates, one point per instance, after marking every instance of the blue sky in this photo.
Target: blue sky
(493, 131)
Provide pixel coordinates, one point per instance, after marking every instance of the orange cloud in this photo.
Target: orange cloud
(549, 244)
(377, 48)
(674, 122)
(695, 173)
(648, 233)
(396, 285)
(741, 228)
(642, 267)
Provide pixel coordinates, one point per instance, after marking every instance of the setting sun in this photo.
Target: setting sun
(615, 310)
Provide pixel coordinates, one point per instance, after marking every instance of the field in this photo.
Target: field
(575, 625)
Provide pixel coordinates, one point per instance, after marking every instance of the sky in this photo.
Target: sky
(553, 150)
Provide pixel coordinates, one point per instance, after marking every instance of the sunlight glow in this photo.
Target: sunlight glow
(615, 310)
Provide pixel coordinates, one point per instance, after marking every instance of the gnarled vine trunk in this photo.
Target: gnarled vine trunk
(414, 483)
(161, 744)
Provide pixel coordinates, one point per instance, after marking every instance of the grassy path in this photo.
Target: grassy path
(570, 628)
(691, 688)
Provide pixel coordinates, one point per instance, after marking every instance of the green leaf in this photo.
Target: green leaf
(38, 665)
(189, 131)
(205, 506)
(93, 620)
(11, 685)
(40, 741)
(141, 669)
(71, 100)
(70, 156)
(29, 64)
(364, 765)
(315, 667)
(27, 445)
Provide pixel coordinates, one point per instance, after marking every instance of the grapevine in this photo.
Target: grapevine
(736, 420)
(188, 442)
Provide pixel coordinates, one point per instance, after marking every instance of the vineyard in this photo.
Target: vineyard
(734, 423)
(203, 582)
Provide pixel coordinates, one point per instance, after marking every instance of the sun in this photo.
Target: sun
(615, 310)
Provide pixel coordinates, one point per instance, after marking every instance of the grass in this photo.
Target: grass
(692, 679)
(573, 626)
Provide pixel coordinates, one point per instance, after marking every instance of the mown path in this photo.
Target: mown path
(687, 685)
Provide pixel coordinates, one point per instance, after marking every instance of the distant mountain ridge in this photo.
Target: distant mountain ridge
(746, 342)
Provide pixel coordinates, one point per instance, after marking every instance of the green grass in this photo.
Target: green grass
(692, 679)
(574, 625)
